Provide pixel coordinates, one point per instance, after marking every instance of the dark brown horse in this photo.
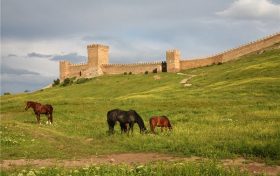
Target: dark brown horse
(38, 109)
(159, 121)
(127, 119)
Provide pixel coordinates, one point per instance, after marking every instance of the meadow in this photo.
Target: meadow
(230, 110)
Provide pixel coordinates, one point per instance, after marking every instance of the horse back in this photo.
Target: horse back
(112, 115)
(44, 109)
(160, 121)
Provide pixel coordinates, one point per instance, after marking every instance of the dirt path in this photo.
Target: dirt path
(140, 158)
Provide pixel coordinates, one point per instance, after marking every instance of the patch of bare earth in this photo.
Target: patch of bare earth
(137, 158)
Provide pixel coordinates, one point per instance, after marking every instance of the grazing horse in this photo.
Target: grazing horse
(126, 120)
(40, 109)
(159, 121)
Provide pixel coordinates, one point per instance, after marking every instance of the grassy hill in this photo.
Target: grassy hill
(231, 110)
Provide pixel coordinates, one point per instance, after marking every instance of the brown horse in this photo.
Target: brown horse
(41, 109)
(159, 121)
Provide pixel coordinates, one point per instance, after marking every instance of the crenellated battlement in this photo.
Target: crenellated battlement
(64, 61)
(173, 51)
(98, 60)
(97, 46)
(80, 64)
(240, 47)
(231, 54)
(133, 64)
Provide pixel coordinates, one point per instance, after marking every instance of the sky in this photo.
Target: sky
(36, 35)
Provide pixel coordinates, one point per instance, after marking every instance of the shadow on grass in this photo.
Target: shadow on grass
(30, 122)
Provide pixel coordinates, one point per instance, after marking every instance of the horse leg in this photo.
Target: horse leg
(48, 116)
(152, 127)
(38, 118)
(123, 128)
(51, 118)
(153, 130)
(131, 127)
(111, 127)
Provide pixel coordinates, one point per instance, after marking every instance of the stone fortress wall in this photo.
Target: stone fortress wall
(231, 54)
(98, 60)
(133, 68)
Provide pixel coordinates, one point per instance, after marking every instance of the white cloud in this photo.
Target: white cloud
(260, 10)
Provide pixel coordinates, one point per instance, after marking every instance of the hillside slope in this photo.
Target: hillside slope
(232, 109)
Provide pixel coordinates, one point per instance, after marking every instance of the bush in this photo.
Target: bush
(26, 91)
(130, 73)
(56, 82)
(82, 80)
(125, 73)
(7, 93)
(146, 72)
(67, 82)
(155, 70)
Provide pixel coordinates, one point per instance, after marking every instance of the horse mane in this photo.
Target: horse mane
(139, 120)
(33, 102)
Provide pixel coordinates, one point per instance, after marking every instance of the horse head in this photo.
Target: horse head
(143, 130)
(28, 105)
(140, 122)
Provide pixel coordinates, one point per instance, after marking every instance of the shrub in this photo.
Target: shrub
(146, 72)
(125, 73)
(26, 91)
(155, 70)
(56, 82)
(82, 80)
(67, 82)
(130, 73)
(7, 93)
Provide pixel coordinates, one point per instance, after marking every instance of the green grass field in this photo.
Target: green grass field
(231, 110)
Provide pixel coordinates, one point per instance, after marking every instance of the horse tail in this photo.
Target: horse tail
(151, 119)
(109, 117)
(110, 120)
(151, 124)
(50, 109)
(169, 124)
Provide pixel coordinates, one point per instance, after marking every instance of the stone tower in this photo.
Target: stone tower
(64, 69)
(173, 60)
(97, 55)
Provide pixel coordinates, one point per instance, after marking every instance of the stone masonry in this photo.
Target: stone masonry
(98, 60)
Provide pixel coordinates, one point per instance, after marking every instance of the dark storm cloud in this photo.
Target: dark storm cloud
(12, 55)
(72, 57)
(16, 71)
(33, 54)
(40, 19)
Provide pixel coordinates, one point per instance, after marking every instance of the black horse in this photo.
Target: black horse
(126, 120)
